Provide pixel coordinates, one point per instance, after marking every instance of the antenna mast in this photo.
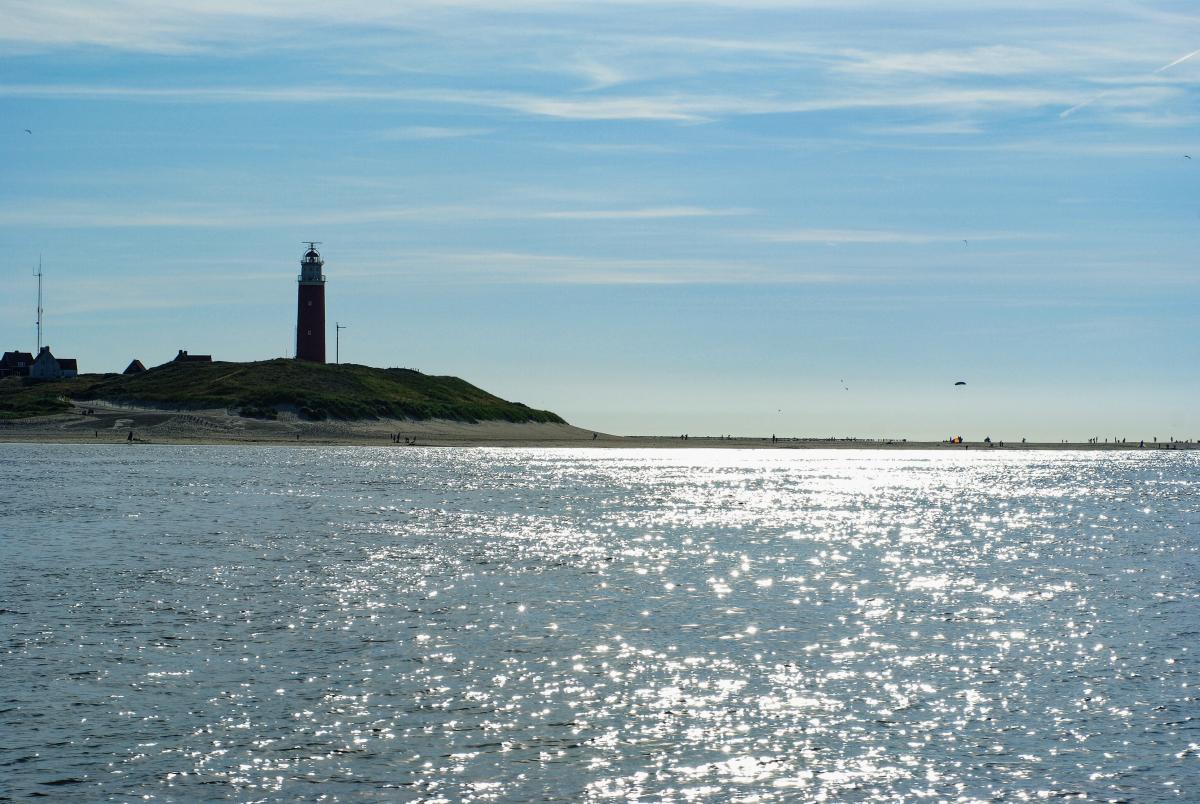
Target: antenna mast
(337, 342)
(39, 305)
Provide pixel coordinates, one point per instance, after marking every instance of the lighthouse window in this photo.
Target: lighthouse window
(310, 302)
(310, 332)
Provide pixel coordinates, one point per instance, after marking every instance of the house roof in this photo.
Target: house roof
(67, 364)
(13, 358)
(135, 367)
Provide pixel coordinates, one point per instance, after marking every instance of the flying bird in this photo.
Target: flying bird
(1185, 156)
(960, 382)
(27, 131)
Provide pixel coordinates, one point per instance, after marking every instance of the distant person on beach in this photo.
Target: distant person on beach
(130, 437)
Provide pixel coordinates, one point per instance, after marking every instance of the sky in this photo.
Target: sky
(757, 217)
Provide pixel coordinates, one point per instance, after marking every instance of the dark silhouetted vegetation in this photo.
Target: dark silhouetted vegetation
(21, 397)
(266, 388)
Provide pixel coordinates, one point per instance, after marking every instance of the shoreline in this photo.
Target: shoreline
(614, 443)
(113, 424)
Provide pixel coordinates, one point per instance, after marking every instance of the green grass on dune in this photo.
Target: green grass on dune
(21, 398)
(261, 389)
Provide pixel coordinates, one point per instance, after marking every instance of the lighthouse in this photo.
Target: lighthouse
(310, 307)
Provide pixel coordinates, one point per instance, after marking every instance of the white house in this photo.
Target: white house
(48, 367)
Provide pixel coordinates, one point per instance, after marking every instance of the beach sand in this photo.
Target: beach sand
(109, 424)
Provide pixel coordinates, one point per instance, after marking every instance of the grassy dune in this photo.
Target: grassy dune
(262, 389)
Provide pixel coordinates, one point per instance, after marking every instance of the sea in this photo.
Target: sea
(509, 625)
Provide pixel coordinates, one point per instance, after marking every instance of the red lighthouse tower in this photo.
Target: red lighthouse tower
(310, 311)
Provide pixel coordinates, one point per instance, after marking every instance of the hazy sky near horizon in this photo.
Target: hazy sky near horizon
(751, 217)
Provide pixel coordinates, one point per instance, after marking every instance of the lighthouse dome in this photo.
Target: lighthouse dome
(311, 265)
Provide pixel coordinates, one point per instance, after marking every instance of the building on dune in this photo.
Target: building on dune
(184, 357)
(48, 367)
(15, 364)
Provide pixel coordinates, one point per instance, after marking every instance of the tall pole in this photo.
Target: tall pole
(337, 342)
(39, 304)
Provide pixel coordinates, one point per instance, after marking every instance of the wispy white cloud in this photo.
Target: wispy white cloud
(1151, 117)
(1055, 145)
(172, 26)
(1177, 61)
(581, 108)
(432, 133)
(1123, 99)
(618, 148)
(223, 216)
(994, 60)
(649, 213)
(681, 71)
(498, 266)
(666, 107)
(598, 74)
(879, 236)
(953, 127)
(508, 267)
(85, 296)
(1136, 86)
(83, 216)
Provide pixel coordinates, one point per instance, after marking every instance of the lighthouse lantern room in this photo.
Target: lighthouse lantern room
(310, 314)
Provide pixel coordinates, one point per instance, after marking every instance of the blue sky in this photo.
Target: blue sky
(806, 218)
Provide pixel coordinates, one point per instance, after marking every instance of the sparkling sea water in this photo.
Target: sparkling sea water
(374, 624)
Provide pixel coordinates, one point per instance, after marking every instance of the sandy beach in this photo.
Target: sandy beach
(96, 423)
